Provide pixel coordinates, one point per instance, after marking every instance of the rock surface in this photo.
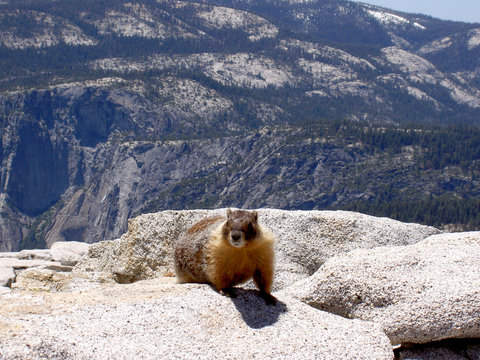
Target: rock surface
(420, 293)
(388, 276)
(9, 255)
(40, 279)
(68, 253)
(304, 241)
(39, 268)
(39, 254)
(158, 318)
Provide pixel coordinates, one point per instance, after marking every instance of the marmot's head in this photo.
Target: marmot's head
(241, 227)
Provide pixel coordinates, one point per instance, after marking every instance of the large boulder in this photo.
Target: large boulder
(68, 253)
(304, 241)
(420, 293)
(160, 319)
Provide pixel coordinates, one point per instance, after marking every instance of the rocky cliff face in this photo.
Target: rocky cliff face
(110, 110)
(80, 167)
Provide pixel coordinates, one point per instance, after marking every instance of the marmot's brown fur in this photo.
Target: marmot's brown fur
(226, 252)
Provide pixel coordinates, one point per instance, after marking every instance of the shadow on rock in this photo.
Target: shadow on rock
(255, 310)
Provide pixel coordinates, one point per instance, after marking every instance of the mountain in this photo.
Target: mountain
(111, 109)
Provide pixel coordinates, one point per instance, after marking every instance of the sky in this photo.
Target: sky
(459, 10)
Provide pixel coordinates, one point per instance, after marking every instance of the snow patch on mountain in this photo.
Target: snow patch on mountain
(419, 26)
(387, 18)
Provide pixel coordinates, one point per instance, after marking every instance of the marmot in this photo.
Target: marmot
(226, 252)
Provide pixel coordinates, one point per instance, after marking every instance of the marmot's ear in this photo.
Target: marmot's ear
(229, 213)
(255, 216)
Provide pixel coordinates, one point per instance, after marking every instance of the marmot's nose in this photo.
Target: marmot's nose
(236, 236)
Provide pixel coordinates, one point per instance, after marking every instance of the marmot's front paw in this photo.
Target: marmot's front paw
(229, 292)
(269, 299)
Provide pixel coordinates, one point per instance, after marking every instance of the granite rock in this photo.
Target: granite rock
(35, 254)
(157, 318)
(304, 241)
(420, 293)
(68, 252)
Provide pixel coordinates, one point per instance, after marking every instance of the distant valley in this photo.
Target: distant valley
(112, 109)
